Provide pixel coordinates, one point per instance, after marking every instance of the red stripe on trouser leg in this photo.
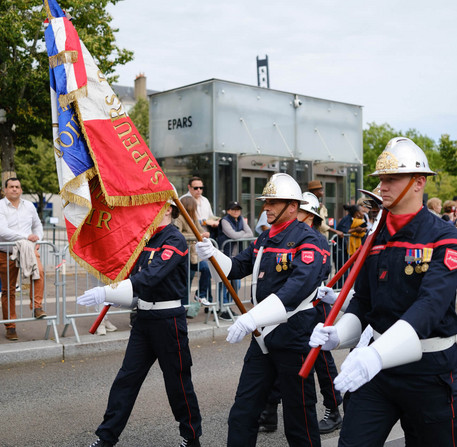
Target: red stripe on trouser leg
(180, 378)
(304, 406)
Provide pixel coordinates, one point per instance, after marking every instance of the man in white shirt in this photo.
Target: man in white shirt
(18, 220)
(204, 211)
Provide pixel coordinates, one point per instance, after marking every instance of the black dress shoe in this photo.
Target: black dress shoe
(100, 443)
(331, 421)
(268, 420)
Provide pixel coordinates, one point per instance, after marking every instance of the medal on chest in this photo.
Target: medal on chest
(409, 259)
(427, 257)
(278, 263)
(282, 261)
(420, 257)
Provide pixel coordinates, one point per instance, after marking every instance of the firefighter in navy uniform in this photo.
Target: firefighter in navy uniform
(159, 280)
(325, 366)
(406, 292)
(285, 262)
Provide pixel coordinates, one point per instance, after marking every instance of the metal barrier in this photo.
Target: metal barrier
(339, 255)
(243, 286)
(64, 280)
(75, 282)
(13, 292)
(206, 290)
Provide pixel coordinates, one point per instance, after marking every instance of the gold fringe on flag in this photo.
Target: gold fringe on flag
(133, 258)
(141, 199)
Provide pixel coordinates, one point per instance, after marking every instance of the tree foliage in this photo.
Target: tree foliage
(448, 152)
(442, 158)
(375, 139)
(140, 117)
(36, 169)
(24, 68)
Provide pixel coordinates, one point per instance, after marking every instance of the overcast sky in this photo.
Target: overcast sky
(396, 58)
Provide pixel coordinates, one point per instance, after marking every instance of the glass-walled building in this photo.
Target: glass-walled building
(236, 136)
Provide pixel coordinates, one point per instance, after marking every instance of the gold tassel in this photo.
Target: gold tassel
(64, 57)
(66, 100)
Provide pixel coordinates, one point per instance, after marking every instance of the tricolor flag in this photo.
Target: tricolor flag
(113, 191)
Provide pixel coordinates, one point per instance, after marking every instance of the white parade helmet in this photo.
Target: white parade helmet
(374, 195)
(283, 187)
(311, 204)
(402, 156)
(170, 200)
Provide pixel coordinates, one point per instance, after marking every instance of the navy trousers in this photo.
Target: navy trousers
(325, 366)
(425, 405)
(164, 340)
(298, 398)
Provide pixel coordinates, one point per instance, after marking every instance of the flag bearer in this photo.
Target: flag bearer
(285, 263)
(159, 280)
(406, 292)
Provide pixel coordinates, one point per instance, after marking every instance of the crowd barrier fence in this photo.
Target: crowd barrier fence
(24, 306)
(65, 280)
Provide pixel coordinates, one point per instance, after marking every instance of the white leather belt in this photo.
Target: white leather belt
(159, 305)
(431, 344)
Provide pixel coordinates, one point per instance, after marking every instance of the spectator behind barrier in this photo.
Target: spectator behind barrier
(204, 284)
(232, 226)
(18, 221)
(262, 224)
(434, 205)
(205, 214)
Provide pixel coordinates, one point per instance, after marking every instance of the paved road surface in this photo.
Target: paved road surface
(47, 404)
(61, 403)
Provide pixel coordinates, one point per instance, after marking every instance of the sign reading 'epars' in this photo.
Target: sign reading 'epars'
(179, 123)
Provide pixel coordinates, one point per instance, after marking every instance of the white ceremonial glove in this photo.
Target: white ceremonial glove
(205, 249)
(325, 336)
(360, 366)
(92, 297)
(326, 295)
(243, 325)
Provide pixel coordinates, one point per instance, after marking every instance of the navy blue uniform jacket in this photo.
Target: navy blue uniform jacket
(160, 273)
(305, 257)
(384, 293)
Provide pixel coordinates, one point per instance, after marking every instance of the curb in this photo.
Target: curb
(69, 349)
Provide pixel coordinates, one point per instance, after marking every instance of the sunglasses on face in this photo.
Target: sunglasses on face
(197, 187)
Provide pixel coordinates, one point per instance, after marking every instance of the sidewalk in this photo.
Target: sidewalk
(32, 347)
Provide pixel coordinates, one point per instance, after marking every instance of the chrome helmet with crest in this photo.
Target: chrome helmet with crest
(282, 187)
(402, 156)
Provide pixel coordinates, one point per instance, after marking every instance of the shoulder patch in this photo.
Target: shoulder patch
(450, 259)
(307, 256)
(167, 254)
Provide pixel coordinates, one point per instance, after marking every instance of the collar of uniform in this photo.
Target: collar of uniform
(157, 231)
(279, 236)
(410, 229)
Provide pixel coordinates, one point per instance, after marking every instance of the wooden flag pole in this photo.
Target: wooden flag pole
(216, 266)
